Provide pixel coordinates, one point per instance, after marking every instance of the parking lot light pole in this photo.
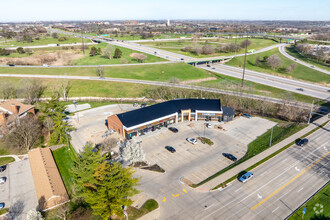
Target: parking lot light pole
(271, 137)
(75, 105)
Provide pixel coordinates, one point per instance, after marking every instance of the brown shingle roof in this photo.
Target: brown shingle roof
(49, 185)
(21, 107)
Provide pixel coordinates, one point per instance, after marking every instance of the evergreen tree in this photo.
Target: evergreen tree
(118, 53)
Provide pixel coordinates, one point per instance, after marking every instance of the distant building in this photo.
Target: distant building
(168, 23)
(10, 113)
(131, 22)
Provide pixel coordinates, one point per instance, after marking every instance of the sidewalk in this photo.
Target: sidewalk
(234, 171)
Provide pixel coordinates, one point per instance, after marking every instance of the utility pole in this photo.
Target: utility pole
(235, 45)
(310, 113)
(244, 60)
(82, 41)
(271, 137)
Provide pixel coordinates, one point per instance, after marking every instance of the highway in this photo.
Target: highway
(310, 89)
(282, 50)
(156, 83)
(278, 187)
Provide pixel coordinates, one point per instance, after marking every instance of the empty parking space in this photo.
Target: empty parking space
(199, 161)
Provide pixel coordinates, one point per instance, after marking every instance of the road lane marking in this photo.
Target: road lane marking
(184, 190)
(300, 189)
(290, 181)
(259, 196)
(237, 189)
(297, 169)
(164, 199)
(176, 195)
(275, 210)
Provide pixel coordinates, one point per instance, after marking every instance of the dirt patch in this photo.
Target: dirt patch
(186, 181)
(155, 168)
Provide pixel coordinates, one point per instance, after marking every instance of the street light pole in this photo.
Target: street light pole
(244, 60)
(271, 137)
(310, 113)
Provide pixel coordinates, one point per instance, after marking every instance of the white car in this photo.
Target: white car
(2, 180)
(208, 125)
(192, 140)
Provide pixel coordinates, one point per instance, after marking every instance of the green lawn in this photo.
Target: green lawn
(148, 206)
(43, 41)
(6, 160)
(176, 46)
(158, 72)
(64, 161)
(290, 50)
(101, 60)
(301, 72)
(280, 132)
(321, 198)
(234, 84)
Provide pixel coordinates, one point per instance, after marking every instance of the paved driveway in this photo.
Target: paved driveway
(18, 193)
(197, 162)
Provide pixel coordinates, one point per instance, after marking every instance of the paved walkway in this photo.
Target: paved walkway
(234, 171)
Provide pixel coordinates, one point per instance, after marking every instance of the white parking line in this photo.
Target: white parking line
(275, 209)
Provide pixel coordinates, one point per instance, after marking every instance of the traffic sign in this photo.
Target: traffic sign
(304, 210)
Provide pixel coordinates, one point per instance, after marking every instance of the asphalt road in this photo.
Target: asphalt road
(156, 83)
(282, 50)
(278, 187)
(310, 89)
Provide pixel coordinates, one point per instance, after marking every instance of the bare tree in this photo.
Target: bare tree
(139, 57)
(54, 35)
(100, 71)
(207, 49)
(108, 144)
(33, 214)
(131, 152)
(107, 53)
(63, 89)
(258, 60)
(291, 67)
(27, 133)
(274, 61)
(32, 90)
(7, 90)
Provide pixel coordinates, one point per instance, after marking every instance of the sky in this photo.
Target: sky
(56, 10)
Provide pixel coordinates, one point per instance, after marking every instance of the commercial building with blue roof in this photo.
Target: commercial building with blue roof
(143, 120)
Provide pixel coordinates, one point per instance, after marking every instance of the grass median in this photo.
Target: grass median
(6, 160)
(269, 157)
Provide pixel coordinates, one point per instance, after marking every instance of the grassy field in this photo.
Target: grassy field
(101, 60)
(6, 160)
(42, 41)
(234, 84)
(176, 46)
(301, 72)
(321, 198)
(290, 50)
(64, 161)
(148, 206)
(280, 132)
(159, 72)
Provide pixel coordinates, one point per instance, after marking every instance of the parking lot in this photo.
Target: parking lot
(199, 161)
(18, 192)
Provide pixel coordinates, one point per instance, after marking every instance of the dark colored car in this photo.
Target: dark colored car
(170, 149)
(208, 65)
(230, 156)
(300, 89)
(3, 168)
(143, 105)
(11, 64)
(181, 59)
(175, 130)
(302, 142)
(246, 115)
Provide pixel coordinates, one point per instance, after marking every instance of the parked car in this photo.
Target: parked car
(174, 130)
(192, 140)
(3, 168)
(245, 177)
(213, 68)
(230, 156)
(208, 65)
(143, 105)
(3, 180)
(300, 89)
(2, 205)
(208, 125)
(135, 104)
(246, 115)
(302, 142)
(170, 149)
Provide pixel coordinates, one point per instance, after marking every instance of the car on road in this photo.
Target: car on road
(135, 104)
(295, 59)
(45, 65)
(302, 142)
(313, 66)
(245, 177)
(208, 125)
(229, 156)
(192, 140)
(208, 65)
(170, 149)
(143, 105)
(246, 115)
(101, 77)
(300, 89)
(3, 168)
(181, 59)
(174, 130)
(213, 68)
(3, 180)
(11, 64)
